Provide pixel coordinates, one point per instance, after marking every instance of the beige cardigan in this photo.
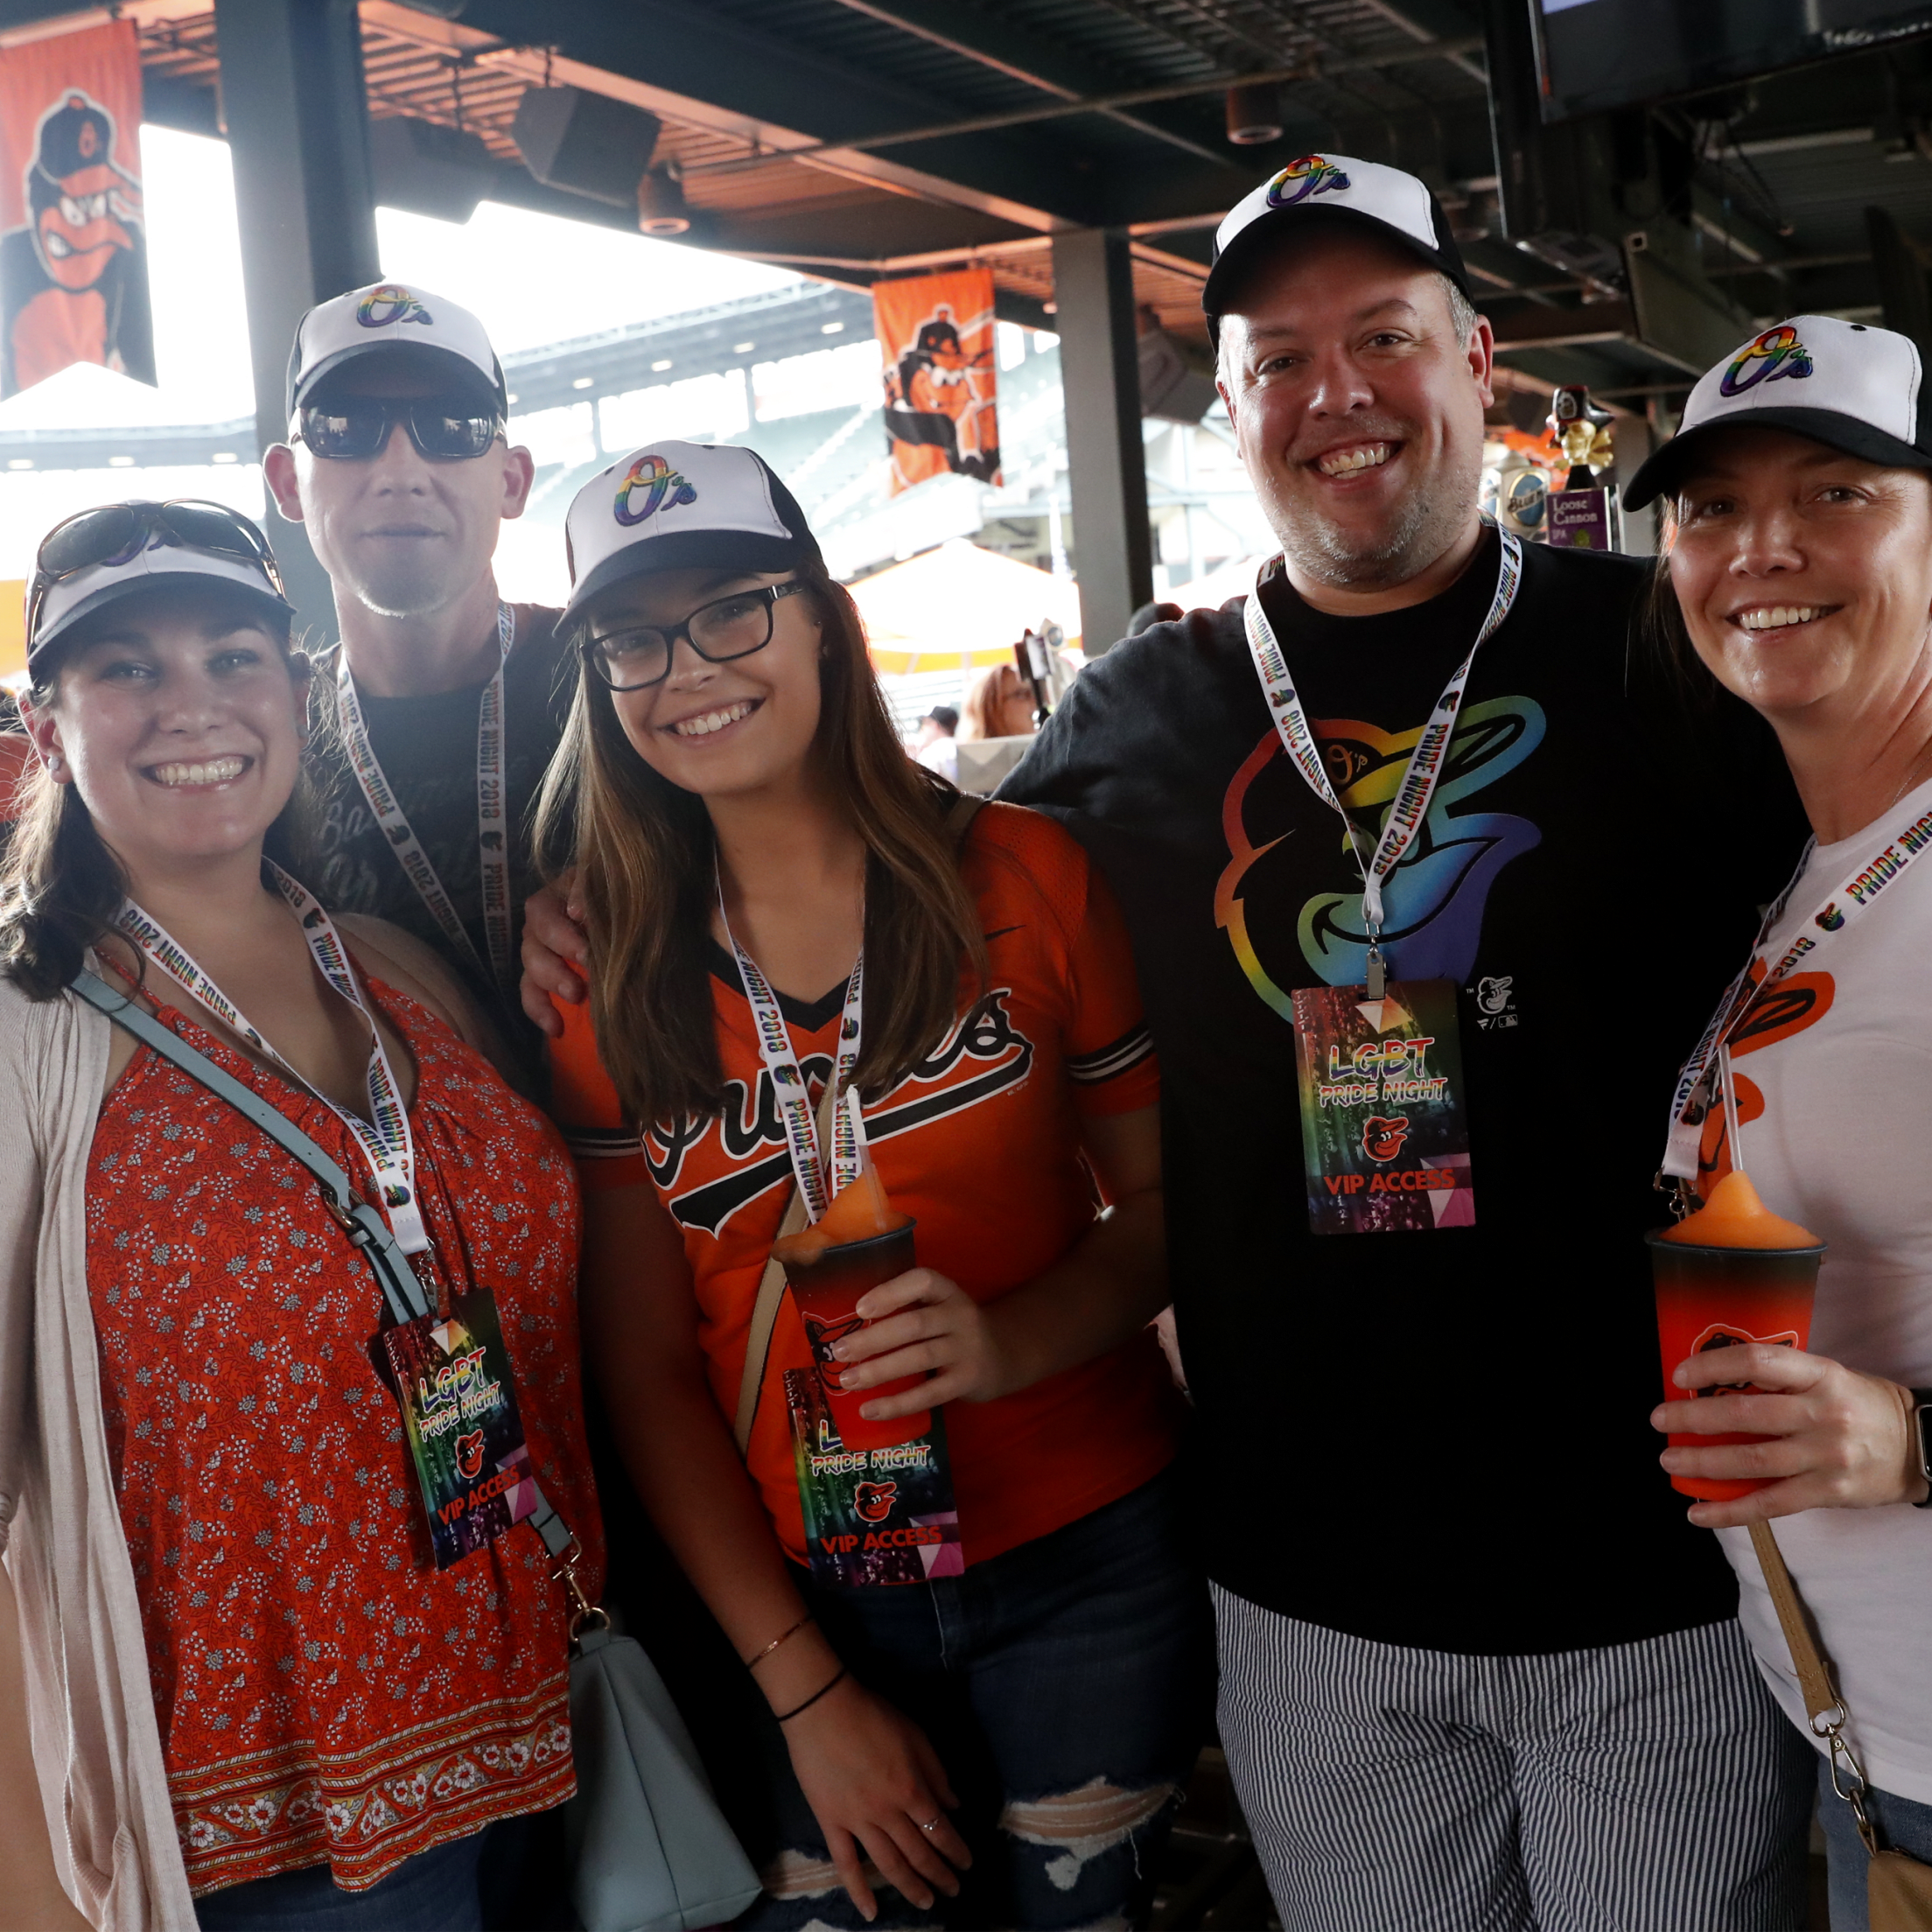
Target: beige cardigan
(96, 1744)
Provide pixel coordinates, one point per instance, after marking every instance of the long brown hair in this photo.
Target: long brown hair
(61, 888)
(646, 864)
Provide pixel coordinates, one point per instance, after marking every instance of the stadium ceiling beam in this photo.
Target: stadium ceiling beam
(702, 70)
(1015, 117)
(1008, 48)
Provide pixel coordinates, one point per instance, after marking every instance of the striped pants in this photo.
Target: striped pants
(1649, 1787)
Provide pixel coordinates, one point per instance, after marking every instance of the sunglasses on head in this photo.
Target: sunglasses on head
(443, 429)
(117, 533)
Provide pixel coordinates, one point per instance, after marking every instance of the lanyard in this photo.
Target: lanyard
(384, 1137)
(492, 810)
(795, 1103)
(1833, 915)
(1410, 807)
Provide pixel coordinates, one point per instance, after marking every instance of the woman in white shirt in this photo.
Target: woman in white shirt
(1799, 576)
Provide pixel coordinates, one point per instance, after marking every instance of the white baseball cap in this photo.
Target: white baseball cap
(671, 506)
(1317, 189)
(98, 557)
(390, 318)
(1849, 385)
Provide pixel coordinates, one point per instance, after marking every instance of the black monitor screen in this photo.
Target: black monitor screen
(1613, 54)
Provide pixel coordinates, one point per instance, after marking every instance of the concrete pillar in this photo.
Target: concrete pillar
(1100, 373)
(293, 99)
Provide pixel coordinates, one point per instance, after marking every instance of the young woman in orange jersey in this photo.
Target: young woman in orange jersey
(1002, 1745)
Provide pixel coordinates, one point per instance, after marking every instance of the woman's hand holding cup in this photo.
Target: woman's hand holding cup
(1838, 1439)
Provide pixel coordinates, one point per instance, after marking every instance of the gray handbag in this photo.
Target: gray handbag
(649, 1850)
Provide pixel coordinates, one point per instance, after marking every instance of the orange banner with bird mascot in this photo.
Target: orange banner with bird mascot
(73, 255)
(936, 335)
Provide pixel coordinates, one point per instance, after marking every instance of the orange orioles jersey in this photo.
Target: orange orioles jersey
(980, 1143)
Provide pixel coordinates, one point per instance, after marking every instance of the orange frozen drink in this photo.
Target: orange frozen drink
(858, 1242)
(1731, 1273)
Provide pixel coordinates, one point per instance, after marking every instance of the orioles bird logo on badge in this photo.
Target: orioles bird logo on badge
(469, 1456)
(1382, 1139)
(874, 1500)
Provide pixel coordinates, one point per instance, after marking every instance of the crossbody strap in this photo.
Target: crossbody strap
(1823, 1705)
(960, 815)
(364, 1226)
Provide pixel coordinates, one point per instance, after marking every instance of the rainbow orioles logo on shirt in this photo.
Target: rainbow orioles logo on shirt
(1775, 354)
(389, 302)
(1311, 174)
(660, 485)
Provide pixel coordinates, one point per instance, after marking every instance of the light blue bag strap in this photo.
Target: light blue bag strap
(362, 1223)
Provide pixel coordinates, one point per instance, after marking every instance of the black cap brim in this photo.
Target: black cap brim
(1268, 234)
(466, 378)
(692, 550)
(1664, 469)
(148, 585)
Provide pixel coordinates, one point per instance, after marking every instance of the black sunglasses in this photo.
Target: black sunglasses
(443, 429)
(727, 627)
(117, 533)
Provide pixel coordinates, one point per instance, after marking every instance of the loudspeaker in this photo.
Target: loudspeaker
(586, 142)
(429, 170)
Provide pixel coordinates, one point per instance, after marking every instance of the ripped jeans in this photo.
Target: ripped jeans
(1066, 1685)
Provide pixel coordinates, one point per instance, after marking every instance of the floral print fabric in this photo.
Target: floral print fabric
(324, 1692)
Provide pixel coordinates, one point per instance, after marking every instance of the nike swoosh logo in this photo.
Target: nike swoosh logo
(1001, 933)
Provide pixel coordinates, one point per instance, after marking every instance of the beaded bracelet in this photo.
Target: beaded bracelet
(785, 1716)
(752, 1664)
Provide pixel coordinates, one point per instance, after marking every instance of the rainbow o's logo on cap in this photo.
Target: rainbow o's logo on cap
(1775, 354)
(1312, 174)
(660, 485)
(390, 302)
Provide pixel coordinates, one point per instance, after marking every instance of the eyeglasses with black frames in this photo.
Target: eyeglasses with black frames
(635, 658)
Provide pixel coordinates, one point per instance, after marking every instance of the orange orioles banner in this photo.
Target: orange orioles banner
(73, 259)
(936, 335)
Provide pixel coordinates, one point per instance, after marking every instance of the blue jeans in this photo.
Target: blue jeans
(1066, 1685)
(1903, 1825)
(505, 1876)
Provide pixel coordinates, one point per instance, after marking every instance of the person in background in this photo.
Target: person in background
(935, 744)
(441, 706)
(999, 704)
(257, 1700)
(1015, 1730)
(1799, 578)
(940, 722)
(1476, 1668)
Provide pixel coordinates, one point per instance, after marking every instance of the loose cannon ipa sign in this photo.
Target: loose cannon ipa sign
(73, 256)
(936, 336)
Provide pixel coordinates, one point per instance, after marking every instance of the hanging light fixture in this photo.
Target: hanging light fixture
(661, 208)
(1254, 115)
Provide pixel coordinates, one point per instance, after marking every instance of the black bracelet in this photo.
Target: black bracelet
(785, 1716)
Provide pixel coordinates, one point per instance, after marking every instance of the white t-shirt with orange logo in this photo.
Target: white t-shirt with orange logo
(1834, 1077)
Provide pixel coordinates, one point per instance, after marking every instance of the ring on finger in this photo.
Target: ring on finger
(932, 1825)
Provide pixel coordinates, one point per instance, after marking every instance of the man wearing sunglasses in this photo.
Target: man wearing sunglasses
(440, 706)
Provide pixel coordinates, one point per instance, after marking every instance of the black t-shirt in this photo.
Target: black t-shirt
(427, 749)
(1437, 1438)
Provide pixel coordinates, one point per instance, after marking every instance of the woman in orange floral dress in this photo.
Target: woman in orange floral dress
(280, 1711)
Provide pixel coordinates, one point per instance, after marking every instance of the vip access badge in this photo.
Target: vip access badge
(1383, 1133)
(459, 1414)
(871, 1515)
